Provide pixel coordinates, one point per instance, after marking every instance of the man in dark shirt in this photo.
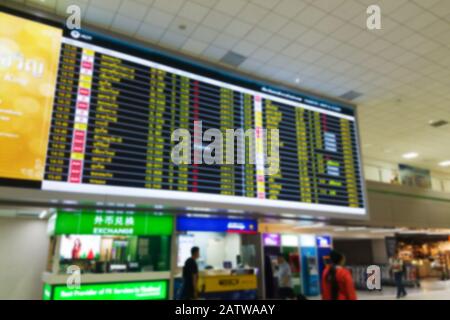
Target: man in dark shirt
(190, 276)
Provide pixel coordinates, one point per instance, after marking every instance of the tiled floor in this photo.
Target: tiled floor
(429, 290)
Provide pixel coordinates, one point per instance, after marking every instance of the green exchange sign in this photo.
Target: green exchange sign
(115, 223)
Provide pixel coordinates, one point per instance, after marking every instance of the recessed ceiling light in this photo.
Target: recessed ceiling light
(298, 80)
(410, 155)
(445, 163)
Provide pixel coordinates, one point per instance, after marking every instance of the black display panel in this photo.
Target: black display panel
(116, 106)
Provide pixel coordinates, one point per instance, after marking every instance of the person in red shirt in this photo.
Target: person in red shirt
(337, 281)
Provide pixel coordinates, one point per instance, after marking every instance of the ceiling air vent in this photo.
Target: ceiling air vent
(233, 59)
(438, 123)
(351, 95)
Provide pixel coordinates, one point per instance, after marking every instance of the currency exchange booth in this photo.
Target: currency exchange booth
(228, 263)
(103, 255)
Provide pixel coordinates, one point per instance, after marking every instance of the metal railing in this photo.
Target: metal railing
(388, 175)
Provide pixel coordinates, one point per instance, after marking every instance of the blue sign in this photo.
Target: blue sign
(216, 225)
(323, 241)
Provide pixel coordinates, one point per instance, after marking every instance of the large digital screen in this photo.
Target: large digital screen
(117, 107)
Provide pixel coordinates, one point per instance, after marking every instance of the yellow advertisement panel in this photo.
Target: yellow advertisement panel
(29, 53)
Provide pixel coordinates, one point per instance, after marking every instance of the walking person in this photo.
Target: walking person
(397, 269)
(337, 281)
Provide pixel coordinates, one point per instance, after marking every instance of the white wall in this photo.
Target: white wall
(23, 257)
(232, 247)
(215, 248)
(398, 206)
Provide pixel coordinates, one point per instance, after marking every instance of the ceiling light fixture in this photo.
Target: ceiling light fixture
(445, 163)
(381, 230)
(357, 228)
(298, 80)
(311, 226)
(43, 214)
(410, 155)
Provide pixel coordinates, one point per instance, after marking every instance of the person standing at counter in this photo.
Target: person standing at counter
(284, 276)
(190, 276)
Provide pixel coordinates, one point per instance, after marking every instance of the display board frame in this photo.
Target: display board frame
(204, 69)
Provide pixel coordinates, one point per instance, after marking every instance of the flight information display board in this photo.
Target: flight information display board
(116, 107)
(114, 116)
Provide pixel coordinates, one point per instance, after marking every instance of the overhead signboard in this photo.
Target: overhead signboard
(217, 225)
(112, 223)
(116, 107)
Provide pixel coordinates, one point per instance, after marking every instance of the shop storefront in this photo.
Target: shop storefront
(102, 255)
(428, 254)
(229, 258)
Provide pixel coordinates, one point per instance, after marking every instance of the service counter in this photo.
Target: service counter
(223, 285)
(229, 261)
(228, 286)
